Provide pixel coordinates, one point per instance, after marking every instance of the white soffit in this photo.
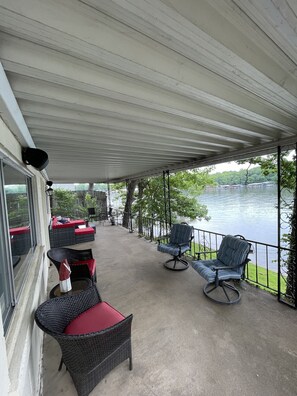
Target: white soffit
(118, 89)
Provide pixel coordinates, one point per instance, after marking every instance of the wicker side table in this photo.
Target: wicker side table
(78, 285)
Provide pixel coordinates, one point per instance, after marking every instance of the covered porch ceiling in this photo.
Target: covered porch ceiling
(118, 89)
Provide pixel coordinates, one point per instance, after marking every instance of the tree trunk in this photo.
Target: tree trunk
(141, 186)
(129, 199)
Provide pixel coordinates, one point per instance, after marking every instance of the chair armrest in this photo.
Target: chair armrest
(97, 346)
(205, 253)
(225, 267)
(163, 237)
(182, 244)
(230, 266)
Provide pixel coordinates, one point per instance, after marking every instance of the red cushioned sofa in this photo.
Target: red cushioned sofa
(20, 240)
(67, 232)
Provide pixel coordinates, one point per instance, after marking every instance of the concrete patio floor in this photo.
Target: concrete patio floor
(183, 343)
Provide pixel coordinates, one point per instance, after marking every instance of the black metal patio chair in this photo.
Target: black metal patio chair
(229, 265)
(92, 214)
(94, 337)
(179, 243)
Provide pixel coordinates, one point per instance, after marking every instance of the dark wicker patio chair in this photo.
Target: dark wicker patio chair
(81, 262)
(93, 336)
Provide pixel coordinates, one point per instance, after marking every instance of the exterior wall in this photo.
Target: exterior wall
(4, 377)
(21, 349)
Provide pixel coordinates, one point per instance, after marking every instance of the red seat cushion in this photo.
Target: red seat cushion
(97, 318)
(90, 263)
(70, 224)
(84, 231)
(19, 230)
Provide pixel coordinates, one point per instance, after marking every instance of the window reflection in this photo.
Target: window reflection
(5, 295)
(17, 202)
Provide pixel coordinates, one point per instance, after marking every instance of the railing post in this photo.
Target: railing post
(287, 243)
(279, 223)
(130, 223)
(167, 207)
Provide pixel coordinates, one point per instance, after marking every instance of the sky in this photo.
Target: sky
(228, 166)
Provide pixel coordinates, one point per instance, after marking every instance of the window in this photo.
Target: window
(18, 236)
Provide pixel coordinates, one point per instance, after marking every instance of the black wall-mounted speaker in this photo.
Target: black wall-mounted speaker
(35, 157)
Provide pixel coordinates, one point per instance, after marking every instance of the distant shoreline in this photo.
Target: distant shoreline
(233, 186)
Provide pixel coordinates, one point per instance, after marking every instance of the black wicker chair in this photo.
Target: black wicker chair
(75, 259)
(87, 356)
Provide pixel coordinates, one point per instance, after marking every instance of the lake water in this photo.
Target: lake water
(247, 210)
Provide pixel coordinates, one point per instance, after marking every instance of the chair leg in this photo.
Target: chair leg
(220, 293)
(177, 264)
(130, 363)
(61, 364)
(130, 358)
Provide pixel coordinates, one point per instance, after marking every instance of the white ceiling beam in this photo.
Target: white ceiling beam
(70, 120)
(178, 31)
(194, 81)
(139, 86)
(102, 145)
(89, 107)
(102, 134)
(278, 21)
(161, 101)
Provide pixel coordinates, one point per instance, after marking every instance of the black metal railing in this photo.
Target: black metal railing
(262, 270)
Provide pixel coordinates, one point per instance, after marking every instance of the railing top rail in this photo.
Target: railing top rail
(249, 240)
(222, 235)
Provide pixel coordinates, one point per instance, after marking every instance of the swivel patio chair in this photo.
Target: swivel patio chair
(229, 265)
(81, 262)
(94, 337)
(179, 243)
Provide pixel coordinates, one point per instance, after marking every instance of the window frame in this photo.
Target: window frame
(12, 294)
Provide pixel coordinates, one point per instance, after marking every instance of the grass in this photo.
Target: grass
(265, 279)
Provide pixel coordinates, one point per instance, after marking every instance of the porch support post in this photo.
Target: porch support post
(167, 207)
(287, 252)
(294, 231)
(279, 223)
(108, 196)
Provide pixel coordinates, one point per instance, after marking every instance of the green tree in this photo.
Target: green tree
(268, 167)
(19, 211)
(90, 201)
(184, 188)
(244, 176)
(65, 203)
